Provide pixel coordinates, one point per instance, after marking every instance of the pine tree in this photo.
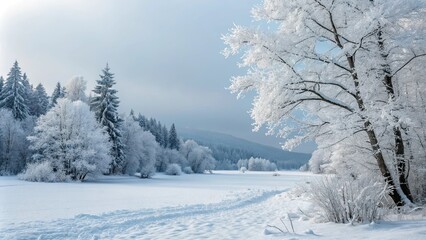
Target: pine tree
(41, 100)
(29, 97)
(165, 135)
(142, 122)
(1, 83)
(63, 92)
(173, 139)
(105, 104)
(57, 93)
(159, 133)
(132, 114)
(12, 95)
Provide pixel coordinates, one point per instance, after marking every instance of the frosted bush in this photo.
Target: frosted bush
(200, 158)
(243, 169)
(168, 156)
(173, 169)
(348, 200)
(41, 172)
(188, 170)
(147, 171)
(256, 164)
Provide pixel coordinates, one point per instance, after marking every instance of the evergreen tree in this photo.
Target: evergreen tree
(13, 94)
(105, 104)
(41, 101)
(173, 138)
(63, 92)
(57, 93)
(165, 136)
(159, 133)
(132, 114)
(142, 122)
(29, 97)
(1, 83)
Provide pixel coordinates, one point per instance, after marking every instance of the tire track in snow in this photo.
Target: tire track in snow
(85, 226)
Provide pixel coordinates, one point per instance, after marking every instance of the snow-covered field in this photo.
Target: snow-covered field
(223, 205)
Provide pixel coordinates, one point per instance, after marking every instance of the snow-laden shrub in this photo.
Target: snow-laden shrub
(173, 169)
(41, 172)
(188, 170)
(168, 156)
(243, 169)
(199, 157)
(348, 200)
(256, 164)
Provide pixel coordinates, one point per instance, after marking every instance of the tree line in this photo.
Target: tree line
(70, 136)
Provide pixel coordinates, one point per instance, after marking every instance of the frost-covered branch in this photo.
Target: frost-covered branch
(408, 62)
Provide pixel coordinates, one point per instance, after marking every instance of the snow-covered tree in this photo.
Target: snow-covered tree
(76, 89)
(71, 140)
(256, 164)
(41, 101)
(105, 105)
(28, 95)
(173, 138)
(173, 169)
(140, 149)
(1, 83)
(199, 157)
(13, 92)
(336, 71)
(57, 93)
(167, 156)
(13, 145)
(165, 136)
(143, 121)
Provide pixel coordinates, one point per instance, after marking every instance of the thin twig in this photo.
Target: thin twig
(281, 219)
(291, 222)
(279, 229)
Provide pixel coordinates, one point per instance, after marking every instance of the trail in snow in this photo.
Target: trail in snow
(145, 224)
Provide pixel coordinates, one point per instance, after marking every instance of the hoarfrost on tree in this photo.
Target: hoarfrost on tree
(70, 139)
(105, 105)
(140, 150)
(341, 72)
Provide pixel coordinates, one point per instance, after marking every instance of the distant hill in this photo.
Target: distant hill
(228, 149)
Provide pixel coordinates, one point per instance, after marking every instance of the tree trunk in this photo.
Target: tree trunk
(396, 197)
(369, 128)
(377, 151)
(399, 149)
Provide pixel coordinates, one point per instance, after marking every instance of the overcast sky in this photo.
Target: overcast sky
(165, 55)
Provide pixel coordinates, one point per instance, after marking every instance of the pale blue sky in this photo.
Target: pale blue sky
(165, 54)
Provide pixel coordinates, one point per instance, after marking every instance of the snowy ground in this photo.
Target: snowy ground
(223, 205)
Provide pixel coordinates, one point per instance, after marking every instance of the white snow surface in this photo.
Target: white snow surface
(223, 205)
